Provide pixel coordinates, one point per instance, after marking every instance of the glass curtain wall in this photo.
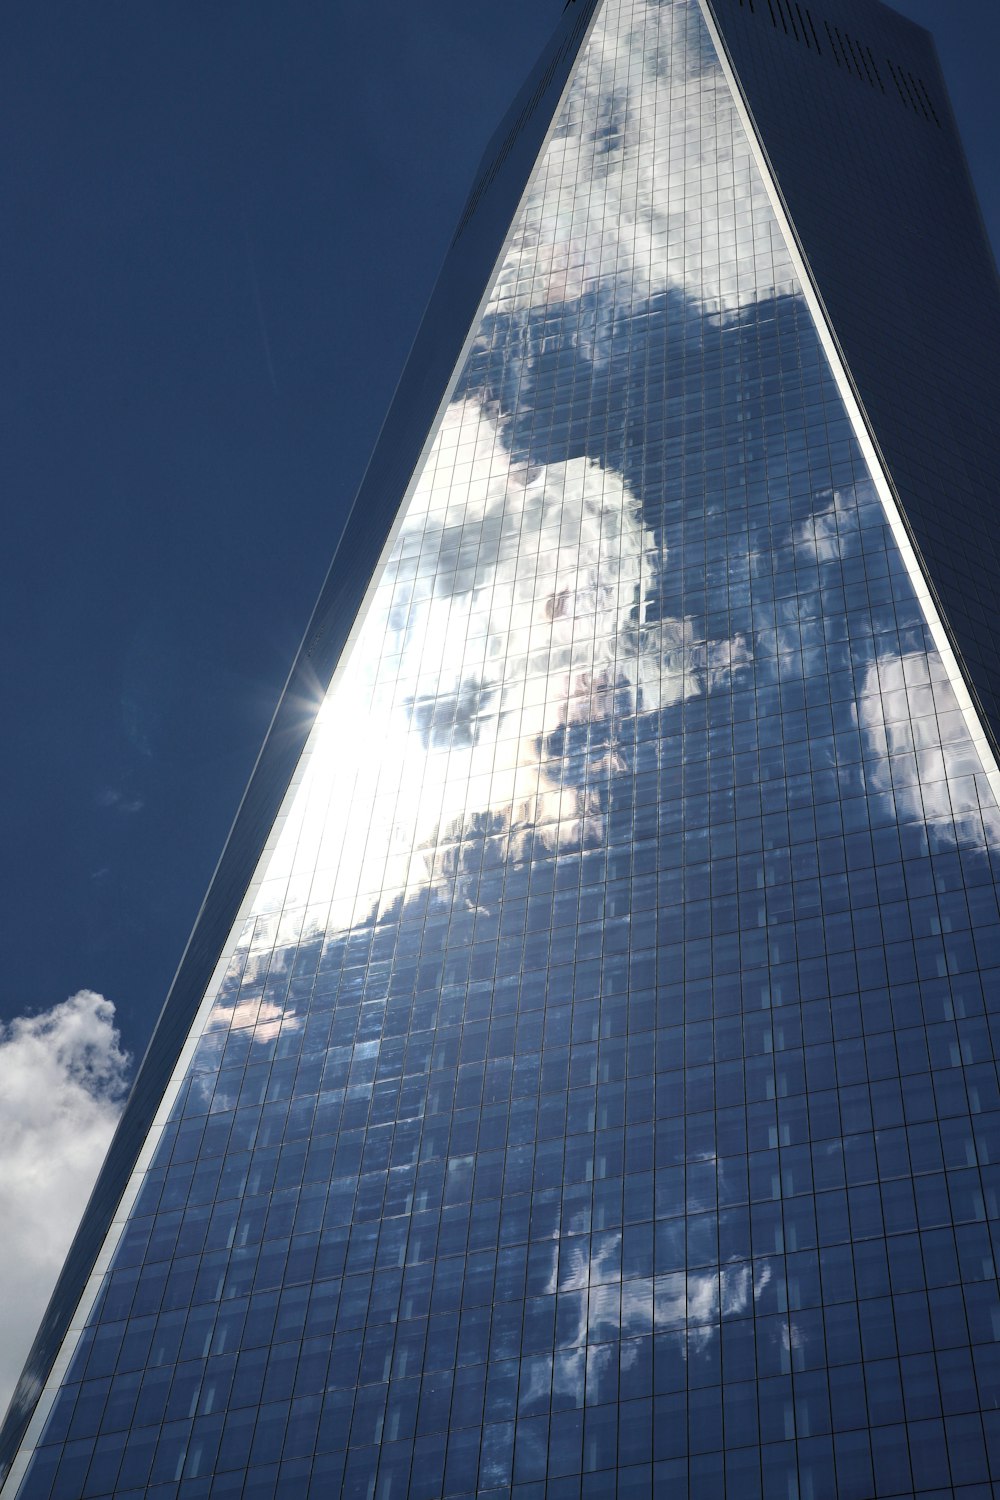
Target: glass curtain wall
(601, 1100)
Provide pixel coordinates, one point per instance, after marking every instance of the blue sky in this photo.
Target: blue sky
(228, 220)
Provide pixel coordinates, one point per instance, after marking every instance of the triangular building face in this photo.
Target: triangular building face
(596, 1093)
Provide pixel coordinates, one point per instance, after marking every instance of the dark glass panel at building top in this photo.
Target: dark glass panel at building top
(601, 1099)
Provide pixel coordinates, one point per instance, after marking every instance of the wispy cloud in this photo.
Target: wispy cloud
(63, 1077)
(121, 801)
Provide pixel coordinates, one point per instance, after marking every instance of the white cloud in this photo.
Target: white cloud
(516, 604)
(63, 1077)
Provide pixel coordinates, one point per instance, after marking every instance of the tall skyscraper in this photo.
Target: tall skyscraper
(590, 1089)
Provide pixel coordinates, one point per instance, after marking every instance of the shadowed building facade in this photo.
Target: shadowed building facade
(582, 1079)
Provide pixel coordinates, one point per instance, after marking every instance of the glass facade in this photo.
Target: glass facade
(601, 1099)
(849, 98)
